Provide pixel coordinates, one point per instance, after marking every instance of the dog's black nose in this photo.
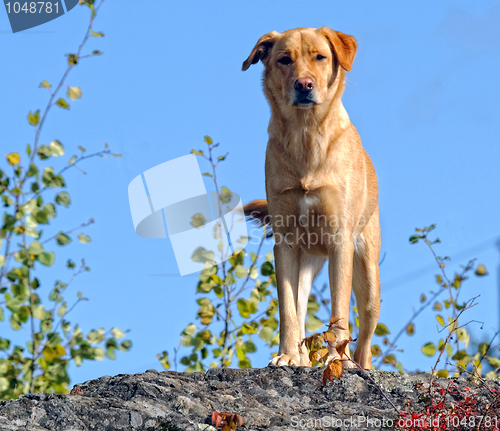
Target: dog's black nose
(304, 85)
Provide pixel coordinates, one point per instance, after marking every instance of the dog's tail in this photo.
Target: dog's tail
(258, 212)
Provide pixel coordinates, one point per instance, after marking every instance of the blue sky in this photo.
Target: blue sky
(423, 94)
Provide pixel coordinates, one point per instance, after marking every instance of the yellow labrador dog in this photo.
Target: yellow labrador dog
(321, 186)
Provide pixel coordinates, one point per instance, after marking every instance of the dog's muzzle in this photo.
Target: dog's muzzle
(304, 92)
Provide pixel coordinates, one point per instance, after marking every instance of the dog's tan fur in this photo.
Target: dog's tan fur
(320, 183)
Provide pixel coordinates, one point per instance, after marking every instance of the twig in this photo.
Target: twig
(374, 382)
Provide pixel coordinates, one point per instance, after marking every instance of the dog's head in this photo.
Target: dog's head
(301, 65)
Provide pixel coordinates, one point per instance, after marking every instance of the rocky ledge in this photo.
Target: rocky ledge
(272, 398)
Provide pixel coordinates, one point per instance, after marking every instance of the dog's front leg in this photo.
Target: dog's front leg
(340, 256)
(287, 274)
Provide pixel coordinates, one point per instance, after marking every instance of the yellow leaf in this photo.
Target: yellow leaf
(96, 34)
(481, 270)
(52, 353)
(440, 319)
(74, 93)
(44, 84)
(13, 158)
(410, 329)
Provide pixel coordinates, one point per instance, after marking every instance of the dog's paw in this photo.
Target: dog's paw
(333, 354)
(282, 360)
(304, 360)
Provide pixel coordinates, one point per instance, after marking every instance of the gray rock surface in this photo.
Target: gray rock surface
(272, 398)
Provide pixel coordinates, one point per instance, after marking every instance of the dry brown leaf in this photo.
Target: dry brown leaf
(334, 320)
(228, 421)
(342, 346)
(329, 337)
(337, 368)
(235, 420)
(320, 354)
(216, 419)
(334, 368)
(327, 375)
(334, 324)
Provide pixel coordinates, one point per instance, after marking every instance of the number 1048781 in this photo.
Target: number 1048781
(32, 7)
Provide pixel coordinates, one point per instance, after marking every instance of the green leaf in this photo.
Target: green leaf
(254, 273)
(63, 198)
(313, 324)
(56, 148)
(267, 269)
(125, 345)
(202, 255)
(4, 384)
(414, 238)
(97, 52)
(44, 152)
(62, 310)
(244, 363)
(429, 349)
(222, 158)
(381, 330)
(63, 239)
(32, 171)
(117, 333)
(266, 334)
(36, 248)
(449, 350)
(74, 93)
(225, 195)
(34, 118)
(110, 353)
(190, 329)
(39, 312)
(47, 259)
(483, 348)
(208, 140)
(198, 220)
(84, 239)
(494, 362)
(240, 271)
(459, 355)
(62, 103)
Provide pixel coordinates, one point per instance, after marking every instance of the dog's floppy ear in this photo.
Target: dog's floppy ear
(345, 46)
(261, 49)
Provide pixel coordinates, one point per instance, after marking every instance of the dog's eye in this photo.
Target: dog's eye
(285, 60)
(320, 57)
